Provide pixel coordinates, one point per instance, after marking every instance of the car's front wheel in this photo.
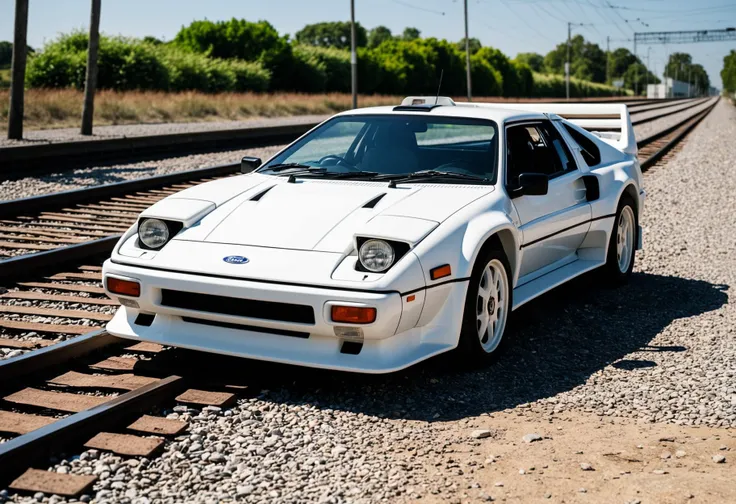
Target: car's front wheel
(487, 307)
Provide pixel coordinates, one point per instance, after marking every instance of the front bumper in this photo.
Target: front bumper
(390, 343)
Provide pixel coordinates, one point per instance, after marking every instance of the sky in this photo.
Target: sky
(511, 25)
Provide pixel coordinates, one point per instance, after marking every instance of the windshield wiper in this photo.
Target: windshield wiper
(343, 175)
(430, 174)
(287, 166)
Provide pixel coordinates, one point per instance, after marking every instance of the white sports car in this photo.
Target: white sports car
(386, 235)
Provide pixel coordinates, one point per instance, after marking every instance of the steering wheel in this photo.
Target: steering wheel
(340, 161)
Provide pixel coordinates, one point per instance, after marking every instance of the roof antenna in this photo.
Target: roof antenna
(442, 72)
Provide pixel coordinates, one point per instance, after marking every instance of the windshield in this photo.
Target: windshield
(376, 146)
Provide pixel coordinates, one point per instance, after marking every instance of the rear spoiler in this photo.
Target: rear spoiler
(610, 122)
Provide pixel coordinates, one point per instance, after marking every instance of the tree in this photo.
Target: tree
(241, 39)
(635, 77)
(378, 35)
(728, 74)
(6, 53)
(680, 66)
(473, 44)
(534, 61)
(331, 34)
(411, 33)
(621, 60)
(588, 60)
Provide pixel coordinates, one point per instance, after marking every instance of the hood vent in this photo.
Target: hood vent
(372, 203)
(258, 196)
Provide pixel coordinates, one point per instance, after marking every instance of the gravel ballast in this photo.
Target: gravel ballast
(660, 350)
(35, 137)
(87, 177)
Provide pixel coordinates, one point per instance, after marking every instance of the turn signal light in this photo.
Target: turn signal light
(440, 272)
(123, 287)
(353, 314)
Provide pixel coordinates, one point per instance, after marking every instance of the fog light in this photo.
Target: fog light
(349, 333)
(124, 287)
(353, 314)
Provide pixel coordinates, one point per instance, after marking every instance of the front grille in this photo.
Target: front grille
(265, 330)
(239, 307)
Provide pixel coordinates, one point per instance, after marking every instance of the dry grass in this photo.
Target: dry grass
(61, 108)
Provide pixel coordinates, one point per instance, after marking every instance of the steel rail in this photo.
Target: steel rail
(681, 130)
(644, 120)
(43, 360)
(20, 160)
(17, 161)
(20, 453)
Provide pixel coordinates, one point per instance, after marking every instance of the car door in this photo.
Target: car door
(554, 225)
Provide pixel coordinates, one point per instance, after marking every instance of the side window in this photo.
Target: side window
(536, 148)
(559, 153)
(588, 149)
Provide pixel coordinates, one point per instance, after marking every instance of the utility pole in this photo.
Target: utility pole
(90, 82)
(18, 71)
(636, 77)
(608, 60)
(567, 63)
(353, 56)
(649, 50)
(467, 54)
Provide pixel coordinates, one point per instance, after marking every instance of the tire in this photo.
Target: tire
(622, 244)
(472, 347)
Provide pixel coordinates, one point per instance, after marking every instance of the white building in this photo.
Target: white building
(670, 88)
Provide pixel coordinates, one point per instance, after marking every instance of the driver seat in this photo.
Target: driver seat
(394, 151)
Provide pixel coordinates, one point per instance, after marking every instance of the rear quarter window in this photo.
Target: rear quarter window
(588, 149)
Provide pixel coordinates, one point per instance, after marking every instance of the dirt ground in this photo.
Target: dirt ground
(628, 462)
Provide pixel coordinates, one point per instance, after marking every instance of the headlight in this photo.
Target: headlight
(376, 255)
(153, 233)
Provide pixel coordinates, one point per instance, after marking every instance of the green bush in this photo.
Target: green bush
(327, 63)
(243, 40)
(553, 86)
(486, 80)
(127, 64)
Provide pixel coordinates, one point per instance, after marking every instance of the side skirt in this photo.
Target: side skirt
(525, 293)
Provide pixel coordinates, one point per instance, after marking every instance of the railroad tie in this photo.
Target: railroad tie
(206, 398)
(24, 344)
(116, 364)
(116, 382)
(47, 328)
(158, 426)
(145, 347)
(22, 423)
(59, 401)
(53, 483)
(125, 444)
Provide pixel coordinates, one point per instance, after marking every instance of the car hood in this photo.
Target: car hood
(323, 215)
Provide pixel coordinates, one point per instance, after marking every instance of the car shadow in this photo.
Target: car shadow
(557, 342)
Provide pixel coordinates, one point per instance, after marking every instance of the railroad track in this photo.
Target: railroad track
(96, 392)
(18, 161)
(73, 385)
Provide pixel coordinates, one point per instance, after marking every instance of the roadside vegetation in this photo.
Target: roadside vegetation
(238, 69)
(728, 74)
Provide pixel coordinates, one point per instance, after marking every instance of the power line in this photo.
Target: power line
(416, 7)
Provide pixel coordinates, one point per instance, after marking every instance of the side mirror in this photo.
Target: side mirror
(248, 164)
(531, 184)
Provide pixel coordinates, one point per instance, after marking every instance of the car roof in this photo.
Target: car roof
(501, 114)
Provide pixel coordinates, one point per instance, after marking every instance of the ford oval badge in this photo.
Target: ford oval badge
(235, 259)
